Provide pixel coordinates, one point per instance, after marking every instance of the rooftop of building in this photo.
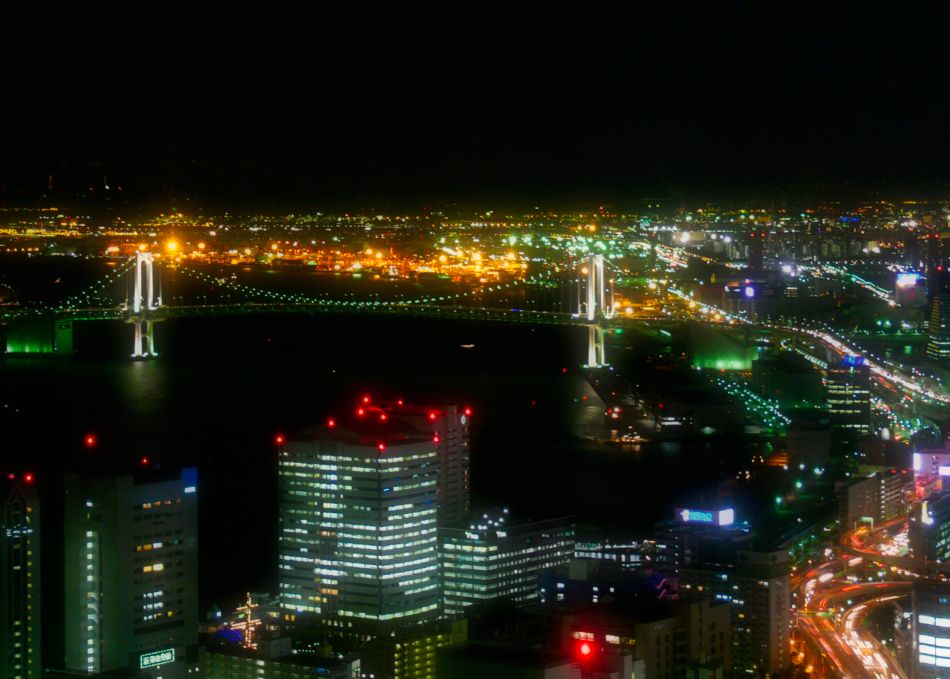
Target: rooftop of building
(377, 424)
(488, 523)
(22, 484)
(638, 611)
(503, 654)
(237, 650)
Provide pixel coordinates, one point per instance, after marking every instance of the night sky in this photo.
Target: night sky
(472, 102)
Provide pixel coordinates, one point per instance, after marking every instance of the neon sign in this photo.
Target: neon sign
(156, 658)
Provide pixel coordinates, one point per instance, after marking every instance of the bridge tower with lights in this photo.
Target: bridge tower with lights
(143, 306)
(595, 308)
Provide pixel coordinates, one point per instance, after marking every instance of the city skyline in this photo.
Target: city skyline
(453, 341)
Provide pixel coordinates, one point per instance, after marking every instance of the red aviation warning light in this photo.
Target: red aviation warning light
(433, 416)
(585, 655)
(280, 439)
(28, 477)
(331, 423)
(436, 439)
(90, 440)
(144, 461)
(381, 446)
(467, 412)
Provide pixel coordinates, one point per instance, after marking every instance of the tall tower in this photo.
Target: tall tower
(357, 537)
(938, 345)
(20, 654)
(595, 301)
(849, 395)
(145, 299)
(449, 426)
(757, 253)
(131, 573)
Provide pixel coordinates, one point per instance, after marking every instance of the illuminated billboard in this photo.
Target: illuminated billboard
(721, 517)
(156, 658)
(907, 280)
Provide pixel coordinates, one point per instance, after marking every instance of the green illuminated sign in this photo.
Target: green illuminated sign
(156, 658)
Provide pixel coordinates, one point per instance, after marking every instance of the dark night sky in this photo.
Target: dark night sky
(471, 101)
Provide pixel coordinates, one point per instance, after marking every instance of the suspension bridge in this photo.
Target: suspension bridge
(581, 294)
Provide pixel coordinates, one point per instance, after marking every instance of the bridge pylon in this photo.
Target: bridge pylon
(146, 300)
(594, 306)
(596, 352)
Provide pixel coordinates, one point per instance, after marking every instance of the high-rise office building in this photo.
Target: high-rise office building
(930, 603)
(273, 658)
(876, 498)
(928, 529)
(938, 344)
(411, 653)
(849, 395)
(131, 572)
(358, 543)
(491, 558)
(758, 588)
(665, 635)
(20, 653)
(448, 425)
(756, 253)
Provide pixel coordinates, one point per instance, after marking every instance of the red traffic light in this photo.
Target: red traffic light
(279, 439)
(28, 477)
(585, 649)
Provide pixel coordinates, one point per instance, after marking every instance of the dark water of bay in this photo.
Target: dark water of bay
(222, 387)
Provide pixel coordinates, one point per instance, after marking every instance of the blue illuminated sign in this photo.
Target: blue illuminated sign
(696, 516)
(721, 517)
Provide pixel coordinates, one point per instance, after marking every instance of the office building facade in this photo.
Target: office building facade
(449, 427)
(928, 529)
(358, 541)
(757, 587)
(666, 636)
(20, 650)
(938, 329)
(273, 659)
(873, 499)
(131, 573)
(491, 558)
(849, 395)
(930, 603)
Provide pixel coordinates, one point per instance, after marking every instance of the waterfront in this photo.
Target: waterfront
(222, 388)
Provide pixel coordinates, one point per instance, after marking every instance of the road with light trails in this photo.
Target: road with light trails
(817, 623)
(878, 661)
